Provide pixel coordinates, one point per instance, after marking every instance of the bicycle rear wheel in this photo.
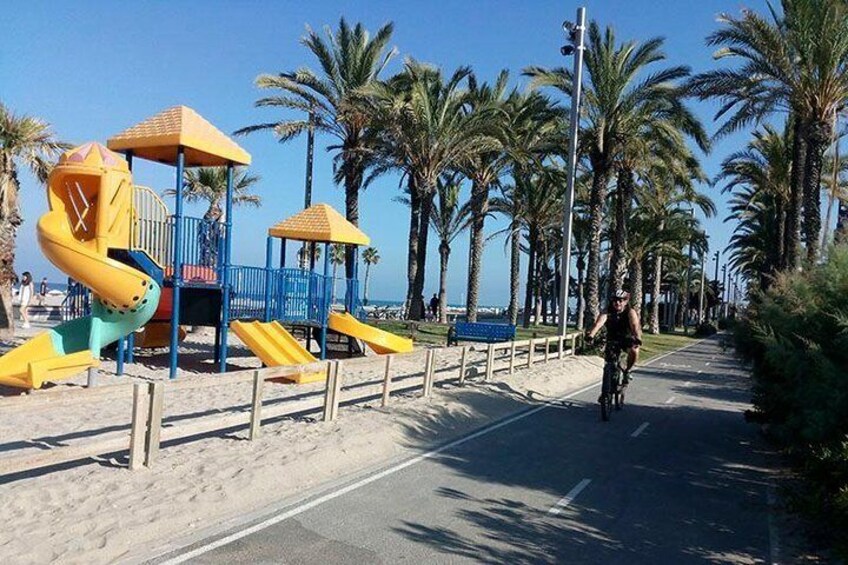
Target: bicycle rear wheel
(619, 399)
(607, 393)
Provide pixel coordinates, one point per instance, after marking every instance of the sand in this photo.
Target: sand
(97, 511)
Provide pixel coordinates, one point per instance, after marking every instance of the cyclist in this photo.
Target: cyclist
(623, 328)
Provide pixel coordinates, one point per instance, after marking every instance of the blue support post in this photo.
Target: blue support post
(131, 337)
(177, 267)
(121, 354)
(281, 292)
(324, 311)
(228, 245)
(269, 272)
(283, 254)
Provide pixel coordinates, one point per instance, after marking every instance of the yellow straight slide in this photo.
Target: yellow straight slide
(382, 342)
(276, 347)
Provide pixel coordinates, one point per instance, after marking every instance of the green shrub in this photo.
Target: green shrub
(796, 335)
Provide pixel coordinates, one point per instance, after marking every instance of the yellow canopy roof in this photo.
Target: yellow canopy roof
(320, 223)
(157, 139)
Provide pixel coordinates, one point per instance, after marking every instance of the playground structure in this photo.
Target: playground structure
(153, 271)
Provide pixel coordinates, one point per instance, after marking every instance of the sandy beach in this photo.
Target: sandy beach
(99, 511)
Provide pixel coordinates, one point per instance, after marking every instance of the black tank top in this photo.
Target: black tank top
(618, 324)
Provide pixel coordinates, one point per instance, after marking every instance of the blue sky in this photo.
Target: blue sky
(94, 68)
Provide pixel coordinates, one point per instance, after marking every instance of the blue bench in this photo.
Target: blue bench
(478, 331)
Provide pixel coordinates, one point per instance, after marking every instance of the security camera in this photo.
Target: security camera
(566, 50)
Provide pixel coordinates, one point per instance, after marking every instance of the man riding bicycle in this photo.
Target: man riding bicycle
(623, 329)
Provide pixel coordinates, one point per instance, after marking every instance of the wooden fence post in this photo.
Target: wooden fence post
(574, 344)
(428, 373)
(91, 381)
(512, 357)
(387, 381)
(490, 361)
(155, 395)
(331, 393)
(462, 360)
(560, 346)
(139, 428)
(256, 405)
(530, 351)
(547, 348)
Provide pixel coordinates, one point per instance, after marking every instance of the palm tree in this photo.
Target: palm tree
(337, 257)
(762, 170)
(25, 142)
(349, 59)
(484, 170)
(370, 256)
(209, 184)
(618, 90)
(307, 259)
(509, 205)
(793, 63)
(419, 125)
(447, 219)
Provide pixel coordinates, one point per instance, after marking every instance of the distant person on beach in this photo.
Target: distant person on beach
(42, 291)
(27, 291)
(434, 306)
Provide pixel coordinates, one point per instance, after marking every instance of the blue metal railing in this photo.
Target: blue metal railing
(202, 249)
(77, 302)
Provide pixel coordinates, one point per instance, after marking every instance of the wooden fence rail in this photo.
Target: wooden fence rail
(147, 431)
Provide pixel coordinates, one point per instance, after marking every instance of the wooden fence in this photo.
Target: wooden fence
(146, 431)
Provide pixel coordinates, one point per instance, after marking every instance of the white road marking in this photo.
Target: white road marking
(707, 364)
(640, 429)
(363, 482)
(670, 400)
(569, 498)
(687, 384)
(700, 371)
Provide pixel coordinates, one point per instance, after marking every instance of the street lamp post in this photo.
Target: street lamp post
(688, 284)
(576, 32)
(713, 312)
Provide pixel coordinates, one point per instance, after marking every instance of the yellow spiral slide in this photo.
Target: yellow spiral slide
(90, 194)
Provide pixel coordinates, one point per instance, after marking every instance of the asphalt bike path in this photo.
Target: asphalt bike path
(675, 477)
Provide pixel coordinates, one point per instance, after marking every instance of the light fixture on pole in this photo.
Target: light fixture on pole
(575, 33)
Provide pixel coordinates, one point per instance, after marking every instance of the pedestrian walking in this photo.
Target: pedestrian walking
(42, 291)
(26, 292)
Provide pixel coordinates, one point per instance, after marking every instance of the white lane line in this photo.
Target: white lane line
(707, 364)
(700, 371)
(687, 384)
(361, 483)
(640, 429)
(670, 400)
(569, 498)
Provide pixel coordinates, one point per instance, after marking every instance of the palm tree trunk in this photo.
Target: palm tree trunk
(365, 285)
(596, 217)
(636, 285)
(333, 291)
(412, 247)
(780, 251)
(796, 198)
(10, 220)
(444, 255)
(479, 209)
(655, 294)
(834, 184)
(353, 172)
(581, 300)
(417, 307)
(538, 308)
(531, 278)
(623, 199)
(514, 271)
(818, 135)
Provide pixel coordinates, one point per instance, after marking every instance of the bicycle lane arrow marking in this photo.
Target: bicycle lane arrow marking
(569, 498)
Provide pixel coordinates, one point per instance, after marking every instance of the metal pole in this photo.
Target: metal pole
(177, 275)
(228, 246)
(703, 281)
(688, 286)
(310, 152)
(325, 310)
(565, 269)
(269, 272)
(724, 293)
(714, 311)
